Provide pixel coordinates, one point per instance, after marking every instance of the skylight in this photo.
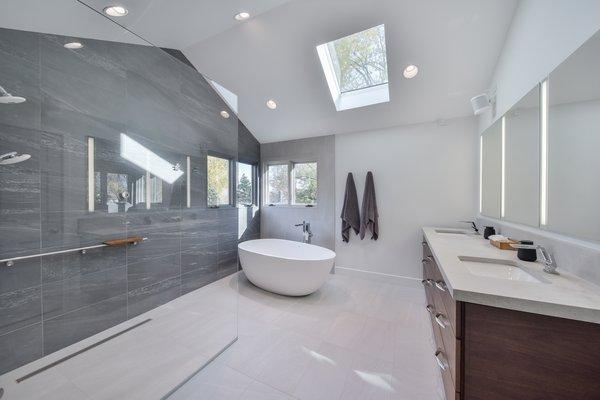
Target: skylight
(355, 67)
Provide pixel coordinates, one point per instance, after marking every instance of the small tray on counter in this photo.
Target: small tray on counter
(504, 245)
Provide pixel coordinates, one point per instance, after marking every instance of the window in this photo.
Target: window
(245, 184)
(355, 67)
(219, 189)
(305, 183)
(292, 183)
(278, 184)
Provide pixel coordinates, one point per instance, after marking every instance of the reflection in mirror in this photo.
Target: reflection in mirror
(491, 170)
(128, 176)
(574, 144)
(522, 160)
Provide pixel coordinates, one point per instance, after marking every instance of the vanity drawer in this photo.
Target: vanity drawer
(442, 359)
(443, 301)
(446, 341)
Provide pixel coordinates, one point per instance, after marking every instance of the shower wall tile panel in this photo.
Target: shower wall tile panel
(104, 90)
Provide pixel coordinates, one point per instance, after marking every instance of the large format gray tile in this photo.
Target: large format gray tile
(20, 193)
(23, 274)
(91, 63)
(147, 298)
(76, 264)
(20, 347)
(19, 308)
(82, 96)
(152, 270)
(79, 324)
(21, 44)
(60, 297)
(20, 78)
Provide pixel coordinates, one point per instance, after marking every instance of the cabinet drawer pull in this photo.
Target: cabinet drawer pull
(441, 285)
(441, 361)
(423, 244)
(430, 309)
(427, 282)
(426, 260)
(441, 320)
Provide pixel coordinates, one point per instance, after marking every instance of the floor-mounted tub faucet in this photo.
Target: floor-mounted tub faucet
(306, 232)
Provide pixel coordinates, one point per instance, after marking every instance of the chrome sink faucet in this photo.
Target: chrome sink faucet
(473, 226)
(306, 232)
(549, 264)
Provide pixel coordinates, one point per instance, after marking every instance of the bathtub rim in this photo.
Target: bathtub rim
(330, 254)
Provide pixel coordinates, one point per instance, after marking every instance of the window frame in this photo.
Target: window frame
(255, 183)
(232, 179)
(291, 202)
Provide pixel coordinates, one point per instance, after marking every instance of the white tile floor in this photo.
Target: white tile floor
(144, 363)
(353, 339)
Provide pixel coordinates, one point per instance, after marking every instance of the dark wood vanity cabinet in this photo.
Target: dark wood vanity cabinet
(490, 353)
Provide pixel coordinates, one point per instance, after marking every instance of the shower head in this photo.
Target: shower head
(7, 98)
(13, 158)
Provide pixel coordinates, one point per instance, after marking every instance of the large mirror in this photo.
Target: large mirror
(540, 161)
(574, 144)
(491, 170)
(522, 160)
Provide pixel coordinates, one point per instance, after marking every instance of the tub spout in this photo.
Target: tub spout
(306, 232)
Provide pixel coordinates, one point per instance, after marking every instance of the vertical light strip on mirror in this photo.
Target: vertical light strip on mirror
(480, 173)
(148, 190)
(503, 169)
(544, 152)
(91, 174)
(189, 182)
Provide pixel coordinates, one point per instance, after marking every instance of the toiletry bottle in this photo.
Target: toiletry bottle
(527, 254)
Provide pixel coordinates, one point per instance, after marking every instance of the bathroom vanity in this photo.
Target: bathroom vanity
(503, 328)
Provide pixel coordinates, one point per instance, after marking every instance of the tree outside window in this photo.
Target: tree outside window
(245, 185)
(218, 181)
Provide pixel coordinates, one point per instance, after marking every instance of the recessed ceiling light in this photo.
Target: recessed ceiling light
(224, 114)
(411, 71)
(116, 11)
(271, 104)
(241, 16)
(73, 45)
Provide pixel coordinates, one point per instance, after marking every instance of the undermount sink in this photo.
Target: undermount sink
(451, 231)
(500, 269)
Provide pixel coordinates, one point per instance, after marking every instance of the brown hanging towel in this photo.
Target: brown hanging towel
(369, 216)
(350, 212)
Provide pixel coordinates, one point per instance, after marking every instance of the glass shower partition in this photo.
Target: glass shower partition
(117, 280)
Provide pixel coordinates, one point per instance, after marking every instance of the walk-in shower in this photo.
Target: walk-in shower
(117, 280)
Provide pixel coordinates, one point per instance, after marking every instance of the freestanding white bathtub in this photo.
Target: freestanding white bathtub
(285, 267)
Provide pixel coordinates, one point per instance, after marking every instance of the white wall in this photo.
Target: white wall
(278, 221)
(543, 33)
(424, 174)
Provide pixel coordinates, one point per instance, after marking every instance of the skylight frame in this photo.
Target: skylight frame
(354, 98)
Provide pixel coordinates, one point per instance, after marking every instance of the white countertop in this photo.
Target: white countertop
(563, 295)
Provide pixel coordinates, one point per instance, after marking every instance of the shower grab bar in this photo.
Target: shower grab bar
(109, 243)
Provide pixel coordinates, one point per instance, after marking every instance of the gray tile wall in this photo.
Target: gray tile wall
(101, 91)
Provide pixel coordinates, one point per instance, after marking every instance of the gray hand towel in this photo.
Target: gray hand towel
(350, 213)
(369, 216)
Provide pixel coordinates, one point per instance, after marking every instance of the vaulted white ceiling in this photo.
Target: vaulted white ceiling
(455, 45)
(273, 55)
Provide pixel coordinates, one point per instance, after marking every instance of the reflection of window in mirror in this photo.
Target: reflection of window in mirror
(219, 180)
